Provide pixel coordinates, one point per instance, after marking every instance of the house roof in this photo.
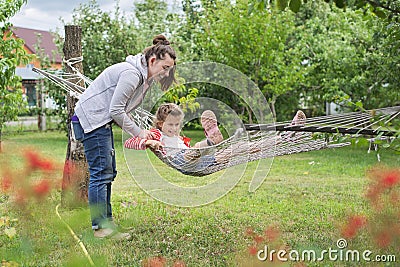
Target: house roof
(30, 36)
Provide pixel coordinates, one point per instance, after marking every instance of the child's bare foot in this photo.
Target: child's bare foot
(209, 123)
(299, 118)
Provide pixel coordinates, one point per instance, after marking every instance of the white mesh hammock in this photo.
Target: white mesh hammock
(257, 141)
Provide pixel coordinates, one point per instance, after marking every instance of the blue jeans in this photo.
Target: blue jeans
(100, 155)
(187, 167)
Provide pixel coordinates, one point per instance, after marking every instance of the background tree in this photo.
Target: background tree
(258, 45)
(382, 8)
(343, 49)
(151, 18)
(350, 52)
(321, 53)
(107, 37)
(12, 54)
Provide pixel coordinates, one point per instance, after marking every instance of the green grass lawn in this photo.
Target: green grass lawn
(307, 196)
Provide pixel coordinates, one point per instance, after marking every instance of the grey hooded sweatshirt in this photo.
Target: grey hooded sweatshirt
(113, 94)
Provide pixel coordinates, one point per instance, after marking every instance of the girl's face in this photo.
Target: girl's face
(171, 126)
(159, 68)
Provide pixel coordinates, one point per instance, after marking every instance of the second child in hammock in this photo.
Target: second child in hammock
(166, 137)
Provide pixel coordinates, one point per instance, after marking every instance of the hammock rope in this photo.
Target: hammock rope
(255, 141)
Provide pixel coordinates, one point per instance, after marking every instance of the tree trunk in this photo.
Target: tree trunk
(40, 104)
(76, 174)
(272, 105)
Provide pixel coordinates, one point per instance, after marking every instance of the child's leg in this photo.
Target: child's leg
(213, 134)
(203, 143)
(299, 119)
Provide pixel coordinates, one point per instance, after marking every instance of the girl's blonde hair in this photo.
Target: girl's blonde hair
(164, 110)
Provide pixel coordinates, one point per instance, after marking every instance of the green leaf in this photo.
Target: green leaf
(362, 142)
(294, 5)
(282, 4)
(380, 13)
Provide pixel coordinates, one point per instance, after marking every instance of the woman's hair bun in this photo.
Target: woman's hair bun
(160, 40)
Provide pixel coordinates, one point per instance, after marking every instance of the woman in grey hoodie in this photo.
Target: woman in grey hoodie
(118, 90)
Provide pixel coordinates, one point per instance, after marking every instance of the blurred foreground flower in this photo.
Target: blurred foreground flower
(33, 181)
(256, 253)
(35, 161)
(383, 221)
(354, 223)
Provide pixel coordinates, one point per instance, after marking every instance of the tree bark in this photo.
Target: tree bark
(76, 175)
(40, 105)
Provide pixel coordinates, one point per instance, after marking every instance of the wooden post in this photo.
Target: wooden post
(76, 174)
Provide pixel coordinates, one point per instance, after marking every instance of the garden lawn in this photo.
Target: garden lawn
(306, 196)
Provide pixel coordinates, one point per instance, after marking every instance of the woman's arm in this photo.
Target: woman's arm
(141, 143)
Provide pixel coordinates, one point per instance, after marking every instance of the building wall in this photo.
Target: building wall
(30, 79)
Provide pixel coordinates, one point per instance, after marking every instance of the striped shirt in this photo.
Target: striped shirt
(140, 143)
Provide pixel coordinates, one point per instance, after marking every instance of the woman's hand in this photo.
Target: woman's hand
(145, 134)
(153, 144)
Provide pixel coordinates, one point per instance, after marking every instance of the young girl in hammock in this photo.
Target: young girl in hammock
(166, 138)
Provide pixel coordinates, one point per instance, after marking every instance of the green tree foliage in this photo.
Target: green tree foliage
(107, 37)
(321, 53)
(382, 8)
(344, 50)
(350, 47)
(12, 54)
(258, 45)
(152, 18)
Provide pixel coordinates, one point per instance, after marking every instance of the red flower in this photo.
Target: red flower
(42, 188)
(391, 178)
(6, 183)
(271, 233)
(253, 250)
(357, 221)
(33, 159)
(258, 239)
(383, 239)
(36, 162)
(349, 232)
(354, 223)
(46, 165)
